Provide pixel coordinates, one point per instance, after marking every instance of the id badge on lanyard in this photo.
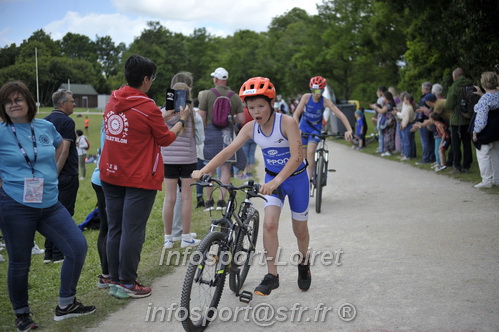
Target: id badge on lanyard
(33, 187)
(33, 190)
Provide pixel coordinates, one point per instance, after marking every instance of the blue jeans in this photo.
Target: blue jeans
(428, 143)
(381, 141)
(249, 150)
(437, 146)
(128, 210)
(408, 142)
(19, 223)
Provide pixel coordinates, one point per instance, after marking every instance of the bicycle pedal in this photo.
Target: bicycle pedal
(245, 296)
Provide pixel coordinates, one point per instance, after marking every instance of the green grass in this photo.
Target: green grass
(44, 278)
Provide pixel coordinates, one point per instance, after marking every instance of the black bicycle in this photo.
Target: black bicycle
(227, 248)
(319, 178)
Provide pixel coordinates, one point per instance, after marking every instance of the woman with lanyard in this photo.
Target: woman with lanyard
(312, 106)
(28, 203)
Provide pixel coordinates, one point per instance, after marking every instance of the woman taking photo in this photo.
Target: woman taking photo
(180, 160)
(29, 203)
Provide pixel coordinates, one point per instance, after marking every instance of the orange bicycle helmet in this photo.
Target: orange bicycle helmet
(317, 82)
(257, 86)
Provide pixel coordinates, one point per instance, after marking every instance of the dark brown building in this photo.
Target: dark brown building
(84, 95)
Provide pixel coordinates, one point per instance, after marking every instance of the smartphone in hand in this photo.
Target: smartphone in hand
(170, 99)
(180, 99)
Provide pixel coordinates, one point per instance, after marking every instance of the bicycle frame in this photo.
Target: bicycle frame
(322, 150)
(233, 221)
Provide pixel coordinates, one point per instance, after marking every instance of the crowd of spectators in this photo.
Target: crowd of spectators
(445, 131)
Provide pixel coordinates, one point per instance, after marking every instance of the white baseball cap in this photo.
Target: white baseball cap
(220, 73)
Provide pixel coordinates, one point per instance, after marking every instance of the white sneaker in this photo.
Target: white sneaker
(2, 259)
(168, 244)
(82, 178)
(178, 238)
(483, 185)
(386, 154)
(440, 168)
(36, 250)
(192, 243)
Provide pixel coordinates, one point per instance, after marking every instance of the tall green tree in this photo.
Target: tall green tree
(108, 56)
(201, 54)
(364, 43)
(40, 40)
(286, 54)
(447, 34)
(78, 46)
(8, 55)
(166, 49)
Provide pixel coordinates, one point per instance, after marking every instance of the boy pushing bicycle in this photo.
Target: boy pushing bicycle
(279, 138)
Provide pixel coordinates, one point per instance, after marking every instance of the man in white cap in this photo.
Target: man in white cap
(217, 137)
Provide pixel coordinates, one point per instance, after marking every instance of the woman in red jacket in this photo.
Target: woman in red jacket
(131, 170)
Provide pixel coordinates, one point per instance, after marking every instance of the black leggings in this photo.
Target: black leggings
(101, 240)
(460, 136)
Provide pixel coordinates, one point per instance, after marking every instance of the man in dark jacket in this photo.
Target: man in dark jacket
(67, 163)
(459, 124)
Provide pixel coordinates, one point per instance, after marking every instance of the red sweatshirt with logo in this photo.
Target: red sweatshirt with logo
(135, 130)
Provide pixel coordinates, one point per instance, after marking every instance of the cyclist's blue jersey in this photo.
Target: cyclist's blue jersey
(311, 120)
(275, 147)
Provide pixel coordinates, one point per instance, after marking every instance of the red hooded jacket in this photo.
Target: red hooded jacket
(135, 130)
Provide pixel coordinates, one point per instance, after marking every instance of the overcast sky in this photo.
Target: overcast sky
(125, 19)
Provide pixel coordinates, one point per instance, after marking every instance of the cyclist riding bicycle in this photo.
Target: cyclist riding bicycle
(312, 105)
(279, 138)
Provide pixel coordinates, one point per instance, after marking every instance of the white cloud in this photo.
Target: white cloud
(221, 17)
(120, 27)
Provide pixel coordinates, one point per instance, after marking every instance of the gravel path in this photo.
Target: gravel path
(405, 249)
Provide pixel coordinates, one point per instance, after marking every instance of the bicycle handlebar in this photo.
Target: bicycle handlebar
(321, 135)
(251, 187)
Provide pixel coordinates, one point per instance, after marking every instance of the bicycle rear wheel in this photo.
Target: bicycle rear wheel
(320, 171)
(243, 254)
(203, 283)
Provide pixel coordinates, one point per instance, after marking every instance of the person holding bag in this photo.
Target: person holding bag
(484, 128)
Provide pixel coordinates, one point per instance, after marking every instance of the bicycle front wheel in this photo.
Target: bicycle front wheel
(244, 251)
(320, 171)
(204, 283)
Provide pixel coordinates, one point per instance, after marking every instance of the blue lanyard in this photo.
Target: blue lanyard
(35, 149)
